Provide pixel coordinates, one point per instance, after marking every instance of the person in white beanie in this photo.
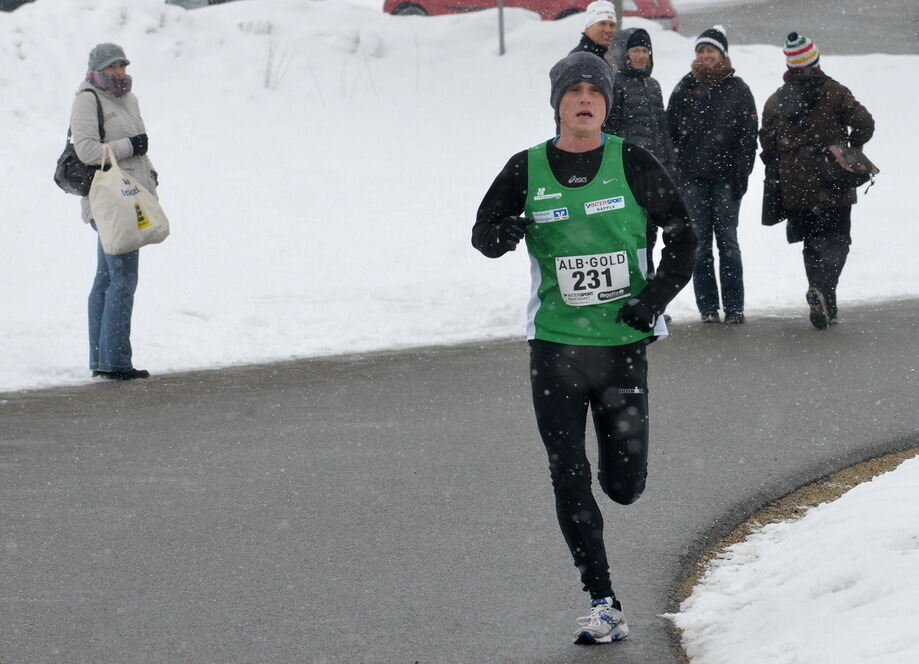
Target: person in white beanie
(713, 125)
(599, 30)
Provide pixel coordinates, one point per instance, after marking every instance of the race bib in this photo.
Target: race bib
(593, 279)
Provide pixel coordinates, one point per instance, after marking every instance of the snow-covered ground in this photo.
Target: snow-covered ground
(837, 586)
(322, 162)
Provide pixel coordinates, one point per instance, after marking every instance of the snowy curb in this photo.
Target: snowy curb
(788, 508)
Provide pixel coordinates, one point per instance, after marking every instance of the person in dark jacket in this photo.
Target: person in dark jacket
(637, 113)
(599, 32)
(801, 120)
(713, 125)
(582, 202)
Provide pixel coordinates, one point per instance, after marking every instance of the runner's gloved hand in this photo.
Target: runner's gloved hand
(511, 230)
(139, 143)
(636, 314)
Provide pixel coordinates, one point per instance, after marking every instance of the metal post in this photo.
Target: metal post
(500, 27)
(617, 4)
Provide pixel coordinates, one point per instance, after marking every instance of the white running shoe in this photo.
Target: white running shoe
(605, 623)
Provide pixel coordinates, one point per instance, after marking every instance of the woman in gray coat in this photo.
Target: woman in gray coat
(111, 300)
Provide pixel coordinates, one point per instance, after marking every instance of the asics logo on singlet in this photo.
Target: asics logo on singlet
(577, 179)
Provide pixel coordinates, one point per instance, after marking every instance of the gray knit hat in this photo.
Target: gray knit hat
(578, 67)
(104, 55)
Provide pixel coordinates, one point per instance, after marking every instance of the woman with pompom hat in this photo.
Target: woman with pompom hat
(713, 125)
(801, 120)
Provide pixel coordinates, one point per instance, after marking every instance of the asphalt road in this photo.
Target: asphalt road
(846, 27)
(397, 507)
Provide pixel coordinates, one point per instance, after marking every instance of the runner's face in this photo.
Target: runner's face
(582, 109)
(602, 32)
(639, 57)
(708, 56)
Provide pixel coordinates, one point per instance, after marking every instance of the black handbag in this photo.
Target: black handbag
(774, 211)
(843, 167)
(71, 174)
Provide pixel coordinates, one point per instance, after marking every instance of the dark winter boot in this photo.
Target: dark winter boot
(832, 311)
(130, 374)
(820, 316)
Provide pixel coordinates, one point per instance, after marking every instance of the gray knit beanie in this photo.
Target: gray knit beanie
(578, 67)
(103, 55)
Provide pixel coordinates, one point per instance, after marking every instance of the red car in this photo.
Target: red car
(547, 9)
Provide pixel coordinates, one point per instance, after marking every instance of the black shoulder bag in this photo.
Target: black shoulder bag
(71, 174)
(844, 167)
(774, 211)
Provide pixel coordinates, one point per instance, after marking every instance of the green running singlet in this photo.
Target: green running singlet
(587, 252)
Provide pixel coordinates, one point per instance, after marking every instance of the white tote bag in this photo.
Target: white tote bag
(127, 216)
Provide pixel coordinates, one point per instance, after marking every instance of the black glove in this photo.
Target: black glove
(139, 143)
(510, 231)
(636, 314)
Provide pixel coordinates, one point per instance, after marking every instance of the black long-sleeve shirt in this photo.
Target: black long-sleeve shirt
(650, 184)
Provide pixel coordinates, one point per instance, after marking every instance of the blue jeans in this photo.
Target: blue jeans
(714, 211)
(111, 302)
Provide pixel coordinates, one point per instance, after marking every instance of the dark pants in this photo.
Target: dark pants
(827, 235)
(714, 212)
(612, 381)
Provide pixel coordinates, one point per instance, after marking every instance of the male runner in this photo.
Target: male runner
(587, 199)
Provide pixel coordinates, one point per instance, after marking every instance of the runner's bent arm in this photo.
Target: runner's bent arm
(655, 192)
(505, 198)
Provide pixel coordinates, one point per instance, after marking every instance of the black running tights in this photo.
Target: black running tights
(612, 381)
